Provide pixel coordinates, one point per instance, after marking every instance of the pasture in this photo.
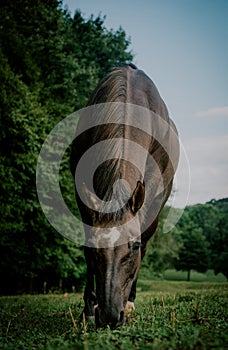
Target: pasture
(169, 315)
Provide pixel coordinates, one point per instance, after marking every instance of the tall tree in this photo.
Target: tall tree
(219, 243)
(193, 252)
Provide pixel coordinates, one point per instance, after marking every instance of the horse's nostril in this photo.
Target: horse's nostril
(97, 317)
(103, 319)
(120, 320)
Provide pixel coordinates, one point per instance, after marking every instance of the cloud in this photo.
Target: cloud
(208, 158)
(214, 112)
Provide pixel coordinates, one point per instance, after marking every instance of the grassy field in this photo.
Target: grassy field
(209, 276)
(169, 315)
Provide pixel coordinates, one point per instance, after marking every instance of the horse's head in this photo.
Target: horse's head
(115, 255)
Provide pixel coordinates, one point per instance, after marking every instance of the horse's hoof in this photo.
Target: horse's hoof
(129, 307)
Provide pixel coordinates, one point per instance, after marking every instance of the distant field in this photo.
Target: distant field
(169, 315)
(173, 275)
(209, 276)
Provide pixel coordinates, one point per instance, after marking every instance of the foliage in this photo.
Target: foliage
(182, 316)
(199, 241)
(161, 250)
(219, 242)
(193, 254)
(49, 65)
(203, 231)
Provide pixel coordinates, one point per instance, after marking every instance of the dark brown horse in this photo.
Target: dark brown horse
(123, 159)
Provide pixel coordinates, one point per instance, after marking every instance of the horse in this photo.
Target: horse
(130, 149)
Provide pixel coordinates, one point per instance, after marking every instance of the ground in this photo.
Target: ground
(167, 315)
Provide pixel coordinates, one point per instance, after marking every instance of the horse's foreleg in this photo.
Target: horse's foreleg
(130, 303)
(90, 299)
(145, 237)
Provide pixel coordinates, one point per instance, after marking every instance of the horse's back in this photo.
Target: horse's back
(127, 106)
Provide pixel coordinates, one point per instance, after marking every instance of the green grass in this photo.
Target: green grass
(209, 276)
(168, 315)
(173, 275)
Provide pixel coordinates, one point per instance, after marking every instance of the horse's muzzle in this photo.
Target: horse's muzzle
(113, 319)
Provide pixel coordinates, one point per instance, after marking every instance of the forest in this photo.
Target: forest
(50, 63)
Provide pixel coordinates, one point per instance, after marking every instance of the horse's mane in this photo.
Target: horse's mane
(113, 88)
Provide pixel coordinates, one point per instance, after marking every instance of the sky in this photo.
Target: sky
(182, 45)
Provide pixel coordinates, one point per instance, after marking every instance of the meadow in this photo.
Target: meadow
(169, 315)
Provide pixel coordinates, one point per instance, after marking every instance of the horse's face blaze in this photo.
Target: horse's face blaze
(116, 264)
(115, 270)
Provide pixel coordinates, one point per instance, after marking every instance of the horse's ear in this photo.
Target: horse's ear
(90, 199)
(137, 199)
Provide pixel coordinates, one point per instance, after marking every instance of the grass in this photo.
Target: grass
(173, 275)
(169, 315)
(209, 276)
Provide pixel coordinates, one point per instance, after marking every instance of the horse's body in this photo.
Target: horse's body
(117, 234)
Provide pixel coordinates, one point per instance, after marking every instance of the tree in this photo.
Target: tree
(49, 65)
(193, 252)
(219, 244)
(162, 249)
(212, 218)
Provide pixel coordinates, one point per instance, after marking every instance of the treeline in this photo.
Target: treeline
(198, 242)
(49, 65)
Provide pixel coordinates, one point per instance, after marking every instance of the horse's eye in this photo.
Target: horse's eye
(136, 246)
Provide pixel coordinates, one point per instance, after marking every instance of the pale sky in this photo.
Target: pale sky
(182, 45)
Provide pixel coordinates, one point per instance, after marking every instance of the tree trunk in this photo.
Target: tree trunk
(188, 277)
(31, 283)
(60, 285)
